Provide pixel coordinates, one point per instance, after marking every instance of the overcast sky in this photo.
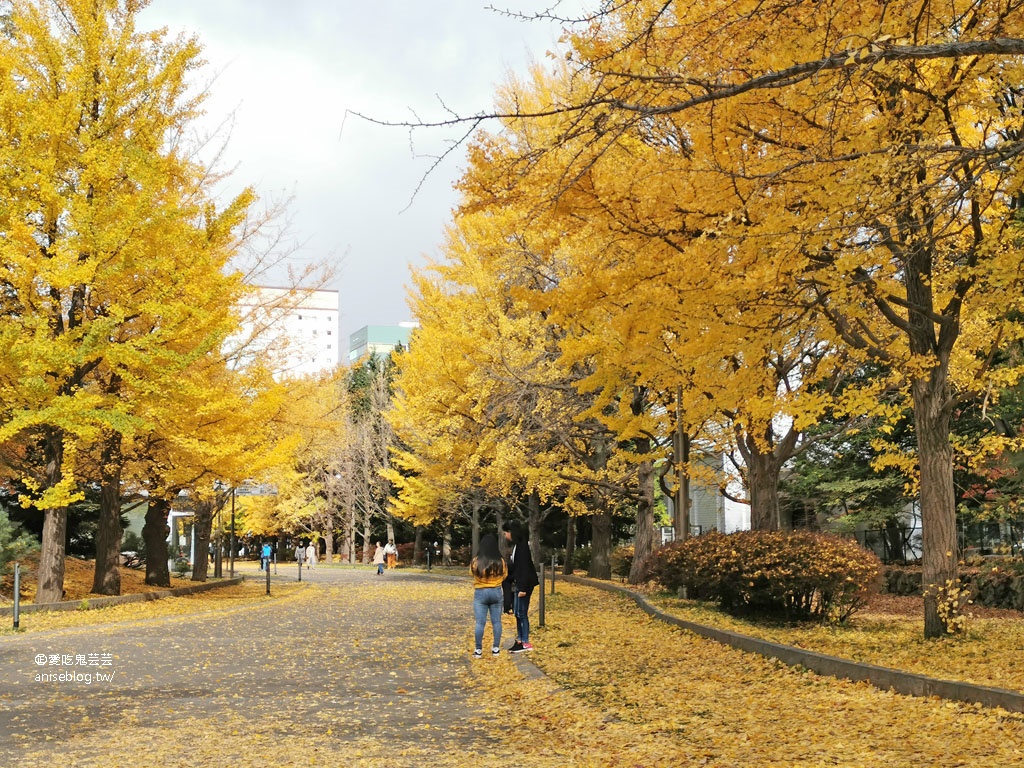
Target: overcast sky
(288, 71)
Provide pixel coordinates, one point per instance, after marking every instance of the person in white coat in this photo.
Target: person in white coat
(310, 556)
(391, 554)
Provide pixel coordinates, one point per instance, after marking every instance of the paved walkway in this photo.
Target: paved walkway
(353, 668)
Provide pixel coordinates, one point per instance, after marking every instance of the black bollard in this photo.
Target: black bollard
(540, 606)
(17, 594)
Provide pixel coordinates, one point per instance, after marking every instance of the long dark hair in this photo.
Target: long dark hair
(488, 561)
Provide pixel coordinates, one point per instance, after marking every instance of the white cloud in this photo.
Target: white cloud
(290, 71)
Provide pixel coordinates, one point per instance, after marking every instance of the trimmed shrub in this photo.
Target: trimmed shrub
(798, 576)
(405, 552)
(621, 560)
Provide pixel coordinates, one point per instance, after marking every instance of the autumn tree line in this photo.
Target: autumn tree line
(137, 360)
(755, 229)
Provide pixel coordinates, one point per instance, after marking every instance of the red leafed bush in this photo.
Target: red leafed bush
(795, 576)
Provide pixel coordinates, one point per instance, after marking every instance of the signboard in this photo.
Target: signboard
(256, 489)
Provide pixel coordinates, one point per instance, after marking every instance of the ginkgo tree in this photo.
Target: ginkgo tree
(103, 206)
(861, 157)
(311, 431)
(484, 401)
(881, 191)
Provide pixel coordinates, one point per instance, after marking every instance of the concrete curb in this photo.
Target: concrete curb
(527, 668)
(89, 603)
(885, 678)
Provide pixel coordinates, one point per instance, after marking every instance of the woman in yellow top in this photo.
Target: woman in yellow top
(489, 570)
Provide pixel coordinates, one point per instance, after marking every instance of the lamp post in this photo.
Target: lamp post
(218, 569)
(231, 556)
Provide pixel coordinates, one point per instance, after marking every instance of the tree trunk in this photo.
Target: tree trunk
(201, 526)
(643, 543)
(51, 556)
(681, 521)
(681, 460)
(938, 509)
(763, 486)
(350, 536)
(533, 521)
(601, 544)
(501, 510)
(107, 574)
(446, 545)
(474, 522)
(893, 533)
(50, 585)
(367, 554)
(570, 545)
(154, 533)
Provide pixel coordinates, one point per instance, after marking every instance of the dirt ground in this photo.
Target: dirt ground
(78, 577)
(912, 605)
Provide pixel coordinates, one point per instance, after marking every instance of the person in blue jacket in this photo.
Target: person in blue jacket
(521, 581)
(265, 555)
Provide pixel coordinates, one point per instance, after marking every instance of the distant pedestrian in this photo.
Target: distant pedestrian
(522, 578)
(311, 556)
(378, 558)
(300, 553)
(489, 571)
(265, 556)
(391, 553)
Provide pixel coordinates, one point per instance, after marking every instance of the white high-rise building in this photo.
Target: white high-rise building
(297, 328)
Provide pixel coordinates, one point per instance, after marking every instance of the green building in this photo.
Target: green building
(378, 340)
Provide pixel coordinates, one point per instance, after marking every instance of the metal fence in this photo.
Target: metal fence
(902, 543)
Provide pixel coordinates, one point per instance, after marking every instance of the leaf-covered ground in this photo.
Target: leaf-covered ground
(248, 594)
(990, 652)
(654, 695)
(354, 669)
(78, 578)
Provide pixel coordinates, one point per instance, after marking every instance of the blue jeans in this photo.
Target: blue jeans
(487, 600)
(521, 609)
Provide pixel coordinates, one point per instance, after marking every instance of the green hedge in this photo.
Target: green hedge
(796, 576)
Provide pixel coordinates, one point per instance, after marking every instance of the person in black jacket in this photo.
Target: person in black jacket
(521, 580)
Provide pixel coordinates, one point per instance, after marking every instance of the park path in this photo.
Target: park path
(355, 668)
